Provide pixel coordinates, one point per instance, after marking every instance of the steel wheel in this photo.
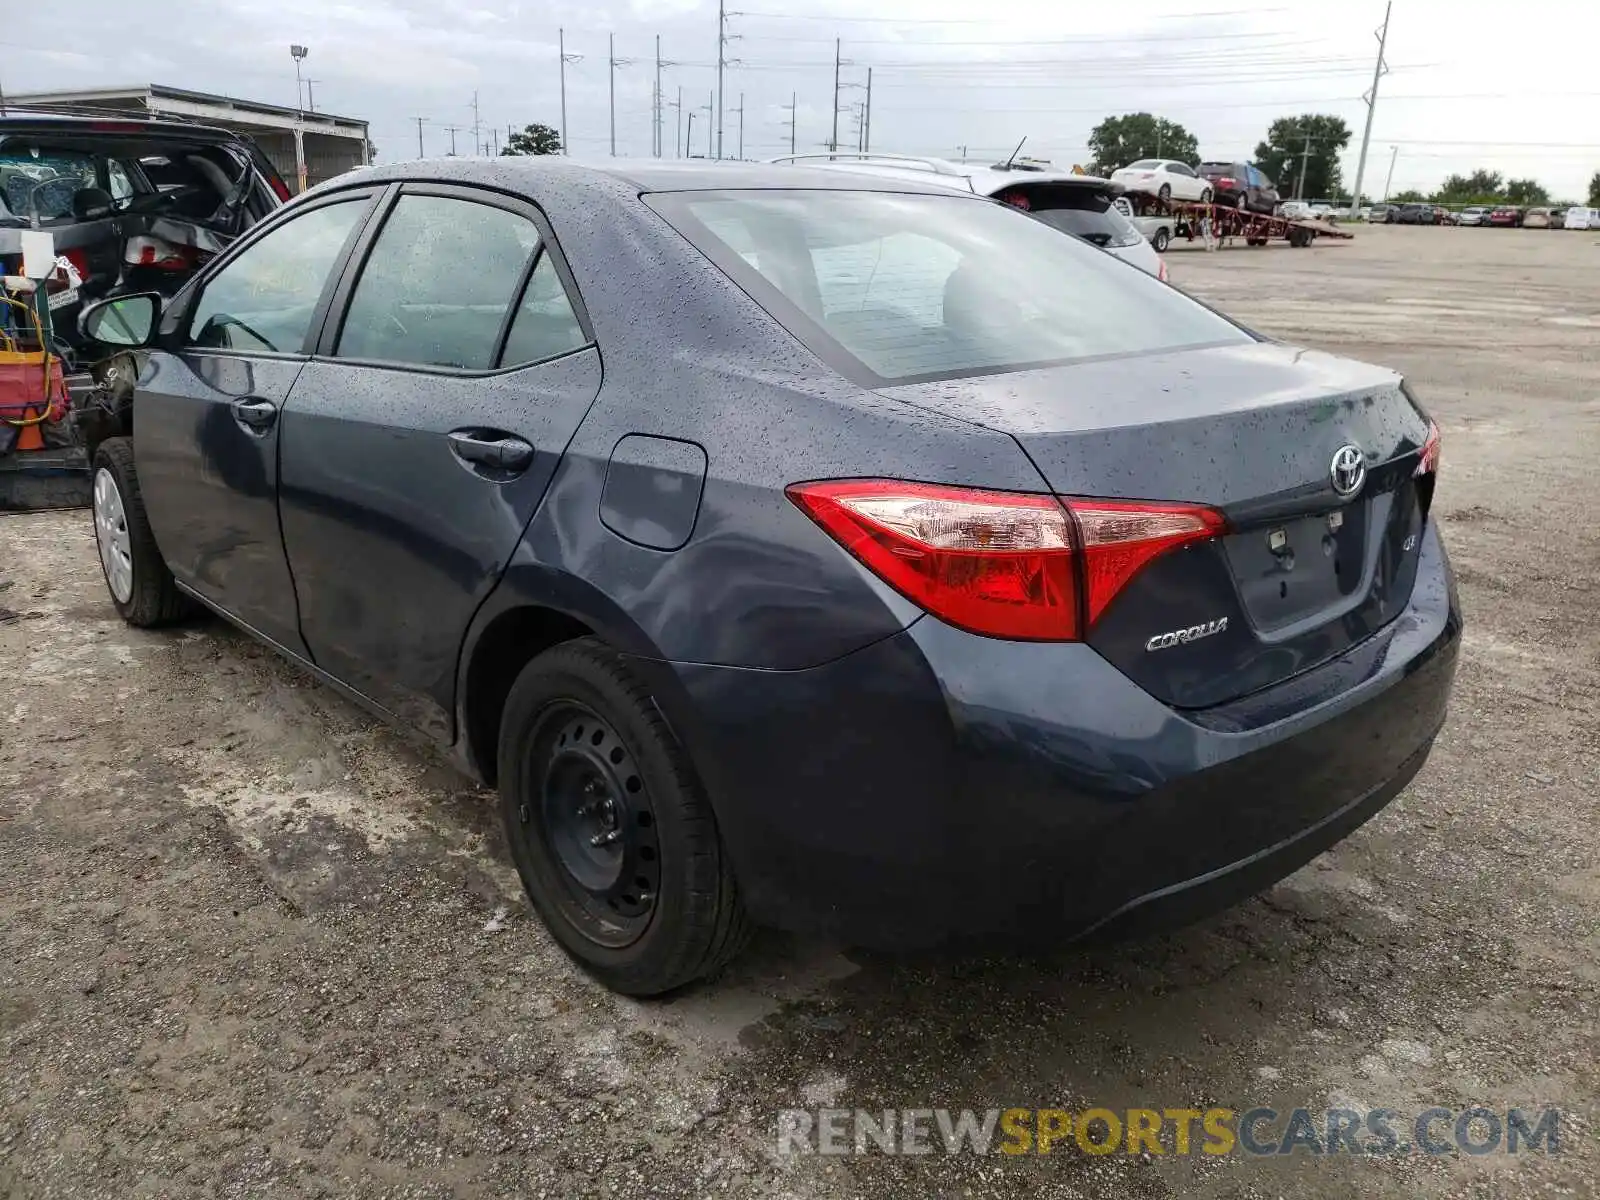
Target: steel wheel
(111, 535)
(596, 822)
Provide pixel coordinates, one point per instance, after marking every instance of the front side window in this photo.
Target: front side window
(901, 287)
(438, 284)
(263, 301)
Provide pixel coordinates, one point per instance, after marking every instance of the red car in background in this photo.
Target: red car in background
(1505, 215)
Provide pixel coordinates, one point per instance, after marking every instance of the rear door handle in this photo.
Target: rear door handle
(487, 448)
(254, 413)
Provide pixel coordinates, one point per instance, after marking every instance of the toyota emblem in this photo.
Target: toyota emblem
(1348, 471)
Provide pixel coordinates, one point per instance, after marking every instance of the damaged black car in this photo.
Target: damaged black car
(132, 205)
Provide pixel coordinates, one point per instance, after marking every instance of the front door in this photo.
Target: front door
(208, 406)
(418, 444)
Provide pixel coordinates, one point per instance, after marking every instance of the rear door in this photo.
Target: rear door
(419, 442)
(206, 423)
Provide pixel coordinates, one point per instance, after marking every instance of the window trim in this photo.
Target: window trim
(355, 265)
(175, 321)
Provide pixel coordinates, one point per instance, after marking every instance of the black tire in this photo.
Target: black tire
(153, 598)
(638, 942)
(1161, 241)
(1205, 195)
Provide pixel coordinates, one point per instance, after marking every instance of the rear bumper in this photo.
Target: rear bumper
(940, 787)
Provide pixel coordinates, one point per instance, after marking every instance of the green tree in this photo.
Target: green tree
(1118, 141)
(1314, 138)
(1410, 196)
(1594, 191)
(1526, 191)
(534, 139)
(1483, 186)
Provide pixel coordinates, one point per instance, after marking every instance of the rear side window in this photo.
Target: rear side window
(894, 287)
(438, 284)
(264, 299)
(545, 324)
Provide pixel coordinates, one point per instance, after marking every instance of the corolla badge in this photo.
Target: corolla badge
(1179, 637)
(1348, 471)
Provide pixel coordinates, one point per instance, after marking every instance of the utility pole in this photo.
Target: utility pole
(611, 77)
(656, 147)
(833, 141)
(1394, 153)
(794, 118)
(687, 152)
(311, 95)
(711, 101)
(677, 145)
(1378, 72)
(477, 126)
(495, 132)
(421, 153)
(453, 130)
(1305, 157)
(1159, 132)
(561, 46)
(741, 126)
(866, 129)
(298, 53)
(722, 52)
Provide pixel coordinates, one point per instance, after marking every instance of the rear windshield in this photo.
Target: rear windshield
(1144, 164)
(908, 287)
(1216, 169)
(1107, 228)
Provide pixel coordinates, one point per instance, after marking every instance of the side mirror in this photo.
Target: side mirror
(128, 321)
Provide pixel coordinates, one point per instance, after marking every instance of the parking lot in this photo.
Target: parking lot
(253, 943)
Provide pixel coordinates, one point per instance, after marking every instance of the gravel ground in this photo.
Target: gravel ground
(252, 943)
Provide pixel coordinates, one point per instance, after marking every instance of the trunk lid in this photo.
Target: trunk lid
(1303, 572)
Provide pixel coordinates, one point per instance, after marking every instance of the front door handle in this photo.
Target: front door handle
(257, 414)
(487, 448)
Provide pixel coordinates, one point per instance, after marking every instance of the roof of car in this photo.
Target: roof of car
(557, 175)
(23, 121)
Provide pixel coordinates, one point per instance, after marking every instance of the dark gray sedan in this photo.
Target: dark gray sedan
(793, 547)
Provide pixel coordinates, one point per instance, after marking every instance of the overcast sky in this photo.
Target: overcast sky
(1471, 83)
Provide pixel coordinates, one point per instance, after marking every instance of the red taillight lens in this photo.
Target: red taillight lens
(1004, 564)
(1120, 537)
(1428, 461)
(281, 188)
(1226, 181)
(79, 261)
(143, 250)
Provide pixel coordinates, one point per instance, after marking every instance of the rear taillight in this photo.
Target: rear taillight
(1003, 564)
(280, 188)
(1226, 181)
(1428, 460)
(79, 261)
(144, 250)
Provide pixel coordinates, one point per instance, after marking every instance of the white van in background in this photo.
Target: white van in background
(1582, 218)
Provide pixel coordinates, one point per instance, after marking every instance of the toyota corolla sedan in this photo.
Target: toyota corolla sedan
(795, 547)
